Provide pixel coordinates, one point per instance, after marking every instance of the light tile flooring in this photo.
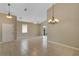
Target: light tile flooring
(35, 47)
(25, 47)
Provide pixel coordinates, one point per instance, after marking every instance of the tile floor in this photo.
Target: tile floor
(25, 47)
(34, 47)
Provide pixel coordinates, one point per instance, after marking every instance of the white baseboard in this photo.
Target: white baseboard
(64, 45)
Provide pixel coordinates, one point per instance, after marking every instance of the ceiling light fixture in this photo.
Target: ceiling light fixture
(53, 20)
(9, 15)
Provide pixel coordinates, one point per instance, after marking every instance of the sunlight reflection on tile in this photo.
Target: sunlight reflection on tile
(24, 46)
(44, 42)
(44, 45)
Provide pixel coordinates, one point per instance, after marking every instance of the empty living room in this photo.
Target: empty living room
(39, 29)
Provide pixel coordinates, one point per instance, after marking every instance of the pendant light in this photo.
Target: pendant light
(53, 20)
(9, 15)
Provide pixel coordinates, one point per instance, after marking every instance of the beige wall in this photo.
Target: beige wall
(3, 19)
(33, 30)
(67, 30)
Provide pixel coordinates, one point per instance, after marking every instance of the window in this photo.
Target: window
(24, 28)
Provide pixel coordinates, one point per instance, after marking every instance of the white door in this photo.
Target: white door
(7, 32)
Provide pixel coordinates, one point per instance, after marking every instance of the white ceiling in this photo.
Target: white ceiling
(36, 12)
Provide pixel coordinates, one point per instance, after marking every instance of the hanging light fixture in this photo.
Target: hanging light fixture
(53, 20)
(9, 15)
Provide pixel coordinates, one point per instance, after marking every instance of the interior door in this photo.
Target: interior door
(7, 32)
